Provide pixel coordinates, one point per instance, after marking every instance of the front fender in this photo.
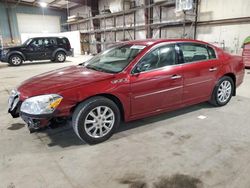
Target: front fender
(16, 52)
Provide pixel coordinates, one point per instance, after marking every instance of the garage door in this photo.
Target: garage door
(32, 23)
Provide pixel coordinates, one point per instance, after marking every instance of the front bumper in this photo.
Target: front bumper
(3, 58)
(35, 122)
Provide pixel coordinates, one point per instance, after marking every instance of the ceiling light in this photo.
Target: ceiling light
(43, 4)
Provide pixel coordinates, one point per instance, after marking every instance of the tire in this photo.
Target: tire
(91, 127)
(223, 91)
(60, 57)
(15, 60)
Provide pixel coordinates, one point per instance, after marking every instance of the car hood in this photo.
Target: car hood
(60, 79)
(13, 48)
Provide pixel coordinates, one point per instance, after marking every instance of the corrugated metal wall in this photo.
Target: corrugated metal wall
(12, 10)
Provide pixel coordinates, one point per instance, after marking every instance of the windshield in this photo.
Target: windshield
(26, 43)
(115, 59)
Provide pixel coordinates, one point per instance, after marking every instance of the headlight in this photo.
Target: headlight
(43, 104)
(13, 99)
(4, 52)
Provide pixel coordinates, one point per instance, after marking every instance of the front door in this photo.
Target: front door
(50, 45)
(35, 50)
(156, 81)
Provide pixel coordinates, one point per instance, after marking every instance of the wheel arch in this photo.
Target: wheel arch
(232, 75)
(58, 50)
(16, 53)
(112, 97)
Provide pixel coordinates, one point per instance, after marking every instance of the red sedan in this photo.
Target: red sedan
(130, 81)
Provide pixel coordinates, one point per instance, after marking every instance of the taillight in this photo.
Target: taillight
(69, 46)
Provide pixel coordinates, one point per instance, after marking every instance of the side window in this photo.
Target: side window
(194, 52)
(46, 41)
(50, 41)
(53, 41)
(211, 53)
(64, 40)
(159, 57)
(37, 43)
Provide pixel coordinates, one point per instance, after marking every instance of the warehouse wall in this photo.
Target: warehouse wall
(228, 36)
(13, 11)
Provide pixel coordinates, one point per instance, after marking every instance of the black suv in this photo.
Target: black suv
(40, 48)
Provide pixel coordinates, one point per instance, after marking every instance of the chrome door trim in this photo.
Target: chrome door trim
(157, 92)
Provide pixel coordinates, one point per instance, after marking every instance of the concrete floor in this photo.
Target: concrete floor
(215, 150)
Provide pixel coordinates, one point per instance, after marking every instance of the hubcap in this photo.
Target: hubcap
(99, 121)
(60, 57)
(16, 60)
(224, 91)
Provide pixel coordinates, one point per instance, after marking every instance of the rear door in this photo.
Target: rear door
(50, 45)
(158, 85)
(200, 67)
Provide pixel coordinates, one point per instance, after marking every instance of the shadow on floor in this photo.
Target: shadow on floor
(16, 126)
(64, 136)
(40, 63)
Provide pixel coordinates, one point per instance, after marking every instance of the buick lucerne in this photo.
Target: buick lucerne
(132, 80)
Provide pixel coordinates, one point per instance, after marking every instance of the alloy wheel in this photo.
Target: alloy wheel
(16, 60)
(224, 91)
(60, 57)
(99, 121)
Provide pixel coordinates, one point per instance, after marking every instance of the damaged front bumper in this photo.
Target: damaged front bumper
(34, 122)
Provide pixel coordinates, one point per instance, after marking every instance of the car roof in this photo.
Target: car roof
(149, 42)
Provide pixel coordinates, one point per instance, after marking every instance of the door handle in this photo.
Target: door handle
(176, 77)
(212, 69)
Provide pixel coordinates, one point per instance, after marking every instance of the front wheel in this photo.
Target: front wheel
(223, 91)
(96, 119)
(15, 60)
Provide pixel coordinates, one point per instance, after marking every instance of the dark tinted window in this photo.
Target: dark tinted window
(194, 52)
(160, 57)
(36, 43)
(50, 41)
(63, 41)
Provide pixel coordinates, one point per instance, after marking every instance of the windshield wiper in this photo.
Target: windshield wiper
(99, 69)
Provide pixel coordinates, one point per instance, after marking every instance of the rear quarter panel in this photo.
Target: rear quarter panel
(234, 64)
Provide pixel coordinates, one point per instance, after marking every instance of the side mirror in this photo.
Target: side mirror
(82, 64)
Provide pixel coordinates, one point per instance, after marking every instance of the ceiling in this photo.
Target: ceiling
(58, 4)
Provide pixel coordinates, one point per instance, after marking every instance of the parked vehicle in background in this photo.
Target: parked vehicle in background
(133, 80)
(246, 54)
(40, 48)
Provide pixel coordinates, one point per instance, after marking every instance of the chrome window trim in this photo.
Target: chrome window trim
(201, 44)
(176, 43)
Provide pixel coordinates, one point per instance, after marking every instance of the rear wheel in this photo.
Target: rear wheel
(96, 119)
(223, 91)
(15, 60)
(60, 57)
